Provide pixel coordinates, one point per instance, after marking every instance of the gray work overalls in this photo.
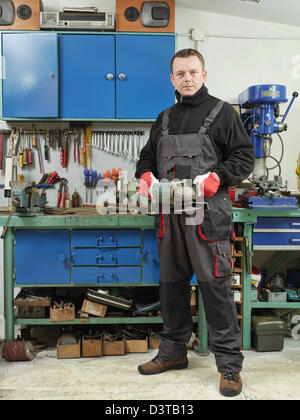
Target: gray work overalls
(203, 249)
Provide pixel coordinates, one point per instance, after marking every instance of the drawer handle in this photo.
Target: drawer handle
(100, 277)
(100, 239)
(295, 240)
(294, 224)
(101, 258)
(114, 259)
(114, 277)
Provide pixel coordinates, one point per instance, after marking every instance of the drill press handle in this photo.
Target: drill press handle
(295, 94)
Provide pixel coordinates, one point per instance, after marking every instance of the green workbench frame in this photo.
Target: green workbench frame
(248, 217)
(240, 215)
(71, 222)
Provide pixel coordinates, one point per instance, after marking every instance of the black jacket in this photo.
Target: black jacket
(229, 138)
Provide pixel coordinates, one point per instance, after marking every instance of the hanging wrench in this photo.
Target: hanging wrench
(101, 140)
(120, 142)
(105, 141)
(130, 141)
(135, 151)
(116, 143)
(125, 142)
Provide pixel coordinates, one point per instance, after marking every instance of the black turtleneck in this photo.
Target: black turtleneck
(229, 138)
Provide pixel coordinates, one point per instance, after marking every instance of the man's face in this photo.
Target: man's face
(188, 75)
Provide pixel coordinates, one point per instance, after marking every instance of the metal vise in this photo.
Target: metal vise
(26, 198)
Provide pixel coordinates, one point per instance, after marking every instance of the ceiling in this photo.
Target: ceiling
(278, 11)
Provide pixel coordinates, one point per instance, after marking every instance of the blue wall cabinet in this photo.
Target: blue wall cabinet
(97, 76)
(143, 75)
(42, 256)
(87, 68)
(30, 75)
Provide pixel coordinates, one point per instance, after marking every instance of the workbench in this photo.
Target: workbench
(146, 270)
(65, 239)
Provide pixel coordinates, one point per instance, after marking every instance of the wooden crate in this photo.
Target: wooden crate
(136, 346)
(93, 308)
(67, 351)
(66, 314)
(113, 348)
(30, 312)
(91, 347)
(154, 341)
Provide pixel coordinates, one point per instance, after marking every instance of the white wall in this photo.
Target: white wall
(233, 64)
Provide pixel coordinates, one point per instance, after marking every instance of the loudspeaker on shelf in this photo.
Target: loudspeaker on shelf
(145, 16)
(20, 15)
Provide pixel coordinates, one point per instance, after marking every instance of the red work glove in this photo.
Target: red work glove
(211, 185)
(146, 183)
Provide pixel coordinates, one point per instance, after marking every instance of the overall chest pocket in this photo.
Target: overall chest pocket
(179, 164)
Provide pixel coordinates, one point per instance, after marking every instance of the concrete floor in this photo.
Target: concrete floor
(266, 376)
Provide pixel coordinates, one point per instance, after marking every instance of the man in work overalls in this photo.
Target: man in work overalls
(200, 137)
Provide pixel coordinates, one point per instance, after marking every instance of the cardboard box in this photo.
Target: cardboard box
(93, 308)
(67, 351)
(65, 314)
(91, 347)
(113, 348)
(136, 346)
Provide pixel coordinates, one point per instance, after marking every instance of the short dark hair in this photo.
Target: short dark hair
(187, 52)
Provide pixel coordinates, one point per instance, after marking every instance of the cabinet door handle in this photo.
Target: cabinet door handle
(109, 76)
(122, 76)
(52, 75)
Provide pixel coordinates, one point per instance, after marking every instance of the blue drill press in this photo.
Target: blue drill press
(259, 107)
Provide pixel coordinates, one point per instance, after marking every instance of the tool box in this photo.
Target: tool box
(274, 296)
(267, 333)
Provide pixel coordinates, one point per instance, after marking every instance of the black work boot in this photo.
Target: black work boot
(158, 365)
(230, 384)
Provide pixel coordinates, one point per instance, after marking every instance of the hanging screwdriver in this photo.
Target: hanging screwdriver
(33, 140)
(91, 184)
(24, 151)
(86, 182)
(29, 153)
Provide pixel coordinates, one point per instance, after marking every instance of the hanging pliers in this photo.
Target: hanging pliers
(62, 192)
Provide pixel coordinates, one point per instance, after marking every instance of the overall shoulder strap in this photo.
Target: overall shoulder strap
(211, 117)
(165, 122)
